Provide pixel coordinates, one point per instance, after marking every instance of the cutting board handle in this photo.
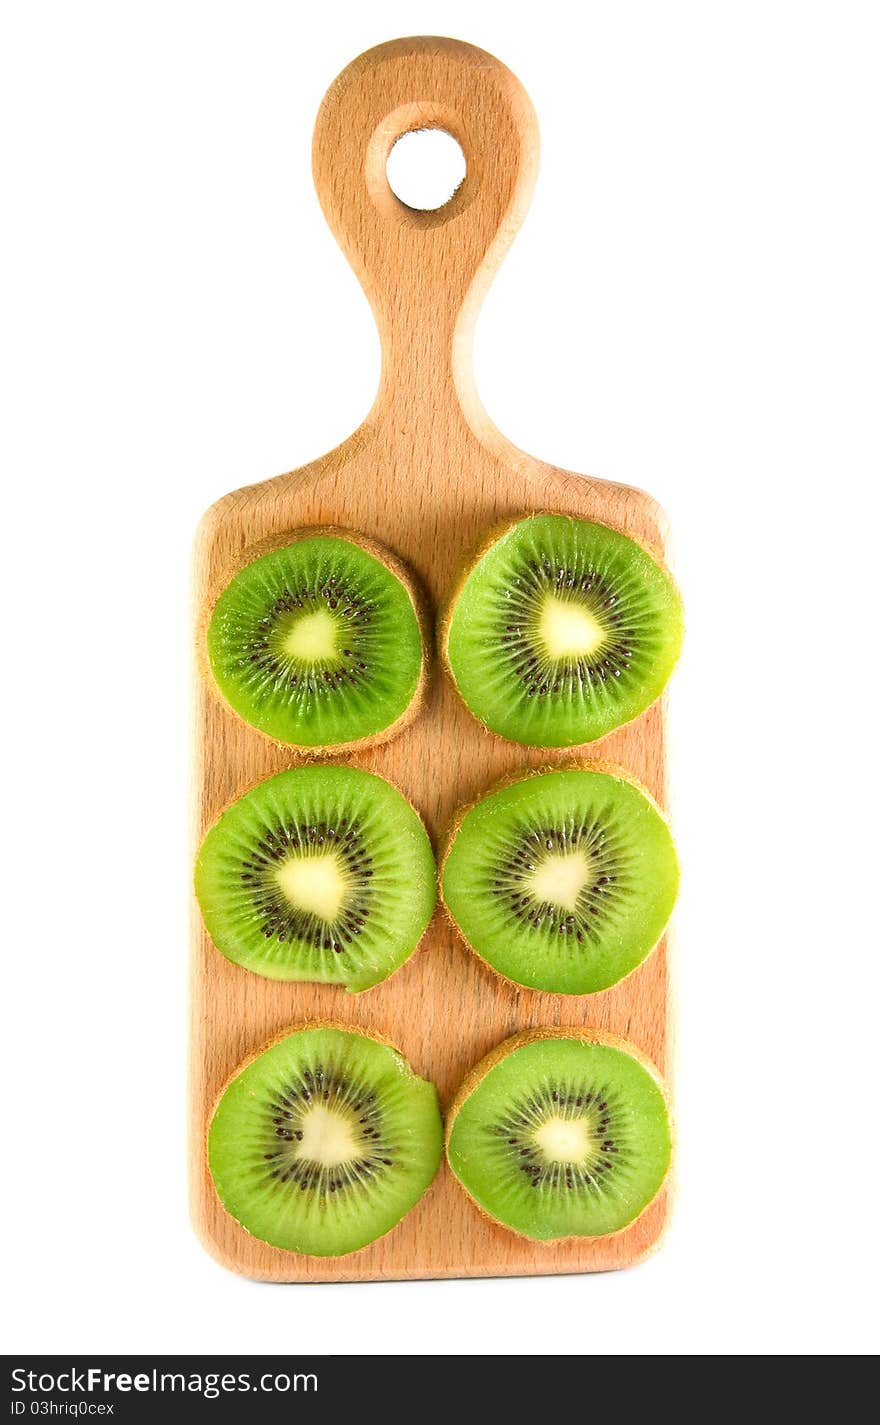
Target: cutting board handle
(425, 272)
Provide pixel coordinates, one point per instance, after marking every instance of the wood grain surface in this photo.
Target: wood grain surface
(428, 474)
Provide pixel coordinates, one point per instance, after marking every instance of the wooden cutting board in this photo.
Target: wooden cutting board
(427, 473)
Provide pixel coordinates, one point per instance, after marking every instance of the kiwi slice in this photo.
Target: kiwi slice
(319, 644)
(564, 880)
(561, 1133)
(320, 873)
(561, 631)
(324, 1141)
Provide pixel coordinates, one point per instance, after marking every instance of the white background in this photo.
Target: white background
(692, 306)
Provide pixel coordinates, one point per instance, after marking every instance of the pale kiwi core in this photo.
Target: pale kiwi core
(315, 884)
(569, 629)
(311, 638)
(559, 879)
(328, 1138)
(565, 1140)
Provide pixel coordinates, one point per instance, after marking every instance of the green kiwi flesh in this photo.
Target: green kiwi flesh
(317, 644)
(324, 1141)
(562, 631)
(321, 873)
(562, 881)
(561, 1137)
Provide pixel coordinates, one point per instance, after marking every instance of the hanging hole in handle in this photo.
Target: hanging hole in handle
(425, 169)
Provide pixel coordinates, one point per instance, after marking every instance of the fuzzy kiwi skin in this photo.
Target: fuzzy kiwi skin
(611, 769)
(317, 1024)
(463, 571)
(530, 1036)
(245, 1063)
(418, 601)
